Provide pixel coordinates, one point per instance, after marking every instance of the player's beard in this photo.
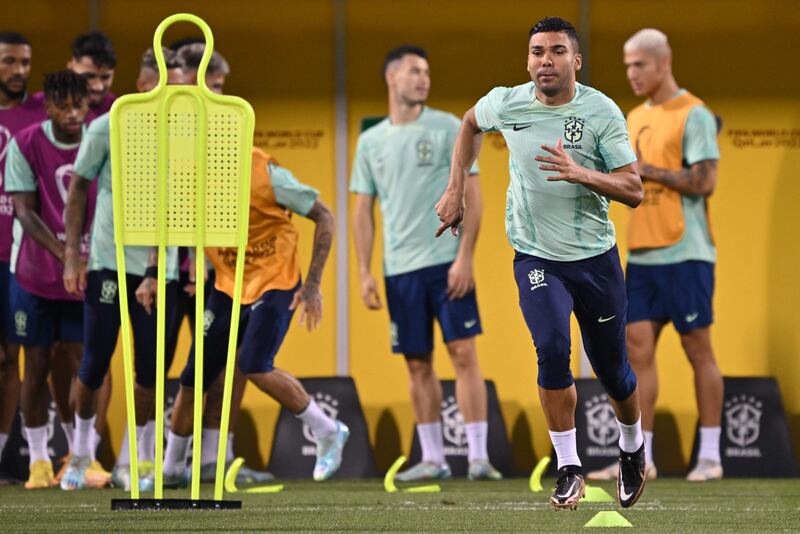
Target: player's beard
(13, 95)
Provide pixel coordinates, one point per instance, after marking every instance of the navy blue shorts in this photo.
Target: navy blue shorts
(594, 289)
(7, 330)
(101, 328)
(262, 327)
(40, 322)
(416, 298)
(679, 292)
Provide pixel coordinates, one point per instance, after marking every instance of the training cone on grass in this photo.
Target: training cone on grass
(535, 482)
(596, 494)
(390, 487)
(608, 519)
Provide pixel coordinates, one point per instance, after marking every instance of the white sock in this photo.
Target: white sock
(96, 439)
(139, 442)
(208, 454)
(566, 447)
(229, 457)
(124, 457)
(648, 448)
(709, 443)
(147, 444)
(432, 442)
(320, 424)
(3, 440)
(69, 431)
(477, 433)
(84, 432)
(176, 453)
(37, 443)
(631, 437)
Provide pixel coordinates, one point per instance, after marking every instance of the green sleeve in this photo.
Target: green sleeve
(614, 144)
(362, 180)
(290, 192)
(18, 174)
(700, 136)
(488, 110)
(95, 149)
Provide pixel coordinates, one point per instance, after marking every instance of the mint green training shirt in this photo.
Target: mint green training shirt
(407, 166)
(557, 220)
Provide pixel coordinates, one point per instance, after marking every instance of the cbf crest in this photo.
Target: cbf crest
(424, 153)
(536, 278)
(453, 430)
(573, 130)
(743, 418)
(108, 292)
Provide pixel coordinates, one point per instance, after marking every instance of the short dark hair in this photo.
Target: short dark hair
(191, 54)
(171, 60)
(97, 46)
(559, 25)
(13, 38)
(401, 51)
(60, 85)
(180, 43)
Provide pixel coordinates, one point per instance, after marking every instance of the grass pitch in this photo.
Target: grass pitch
(668, 505)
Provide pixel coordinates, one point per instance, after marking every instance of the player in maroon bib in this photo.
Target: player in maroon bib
(18, 109)
(38, 162)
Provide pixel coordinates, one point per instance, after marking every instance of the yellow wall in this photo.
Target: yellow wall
(730, 53)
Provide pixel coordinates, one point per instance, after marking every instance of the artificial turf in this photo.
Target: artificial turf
(668, 505)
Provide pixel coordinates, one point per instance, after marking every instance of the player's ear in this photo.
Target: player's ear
(578, 61)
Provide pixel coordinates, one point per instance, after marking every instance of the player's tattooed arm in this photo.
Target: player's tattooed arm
(74, 215)
(309, 294)
(699, 179)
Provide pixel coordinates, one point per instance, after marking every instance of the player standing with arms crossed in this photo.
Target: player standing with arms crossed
(670, 274)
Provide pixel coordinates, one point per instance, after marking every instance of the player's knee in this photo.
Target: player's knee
(619, 382)
(553, 360)
(419, 368)
(463, 356)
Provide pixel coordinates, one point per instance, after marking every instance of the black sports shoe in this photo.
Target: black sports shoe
(570, 487)
(631, 479)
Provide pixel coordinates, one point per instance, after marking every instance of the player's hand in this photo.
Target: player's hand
(561, 162)
(369, 292)
(74, 274)
(309, 299)
(460, 280)
(450, 210)
(146, 293)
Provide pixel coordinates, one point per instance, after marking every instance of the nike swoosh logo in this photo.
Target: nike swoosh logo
(518, 127)
(692, 317)
(568, 491)
(470, 324)
(623, 496)
(605, 319)
(256, 305)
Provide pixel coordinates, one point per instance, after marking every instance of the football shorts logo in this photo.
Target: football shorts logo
(536, 278)
(208, 320)
(108, 292)
(601, 422)
(329, 406)
(21, 323)
(424, 152)
(743, 420)
(573, 129)
(453, 424)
